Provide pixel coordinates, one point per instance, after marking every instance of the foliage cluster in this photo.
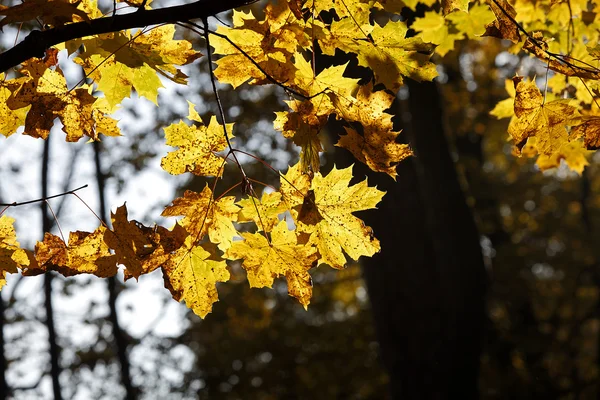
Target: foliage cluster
(308, 220)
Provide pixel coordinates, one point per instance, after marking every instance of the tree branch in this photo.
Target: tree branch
(36, 43)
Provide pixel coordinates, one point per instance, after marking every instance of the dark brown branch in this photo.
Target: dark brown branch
(44, 198)
(36, 43)
(539, 49)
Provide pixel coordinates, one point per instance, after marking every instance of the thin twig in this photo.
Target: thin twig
(22, 203)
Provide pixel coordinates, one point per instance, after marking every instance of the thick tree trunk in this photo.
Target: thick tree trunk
(427, 286)
(119, 337)
(52, 339)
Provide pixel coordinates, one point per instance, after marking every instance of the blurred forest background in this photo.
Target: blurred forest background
(487, 285)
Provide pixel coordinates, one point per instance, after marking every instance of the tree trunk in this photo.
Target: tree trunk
(119, 337)
(46, 225)
(427, 286)
(3, 385)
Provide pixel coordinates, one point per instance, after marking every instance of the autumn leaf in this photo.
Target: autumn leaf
(377, 149)
(377, 145)
(264, 212)
(265, 259)
(303, 125)
(87, 253)
(191, 275)
(50, 12)
(44, 91)
(328, 218)
(543, 126)
(12, 256)
(10, 120)
(295, 185)
(503, 27)
(270, 43)
(472, 23)
(506, 108)
(588, 128)
(198, 148)
(573, 152)
(140, 248)
(120, 62)
(545, 121)
(385, 50)
(433, 28)
(203, 214)
(449, 6)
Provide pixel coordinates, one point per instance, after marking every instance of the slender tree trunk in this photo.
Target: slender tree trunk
(3, 385)
(427, 286)
(46, 225)
(120, 340)
(4, 389)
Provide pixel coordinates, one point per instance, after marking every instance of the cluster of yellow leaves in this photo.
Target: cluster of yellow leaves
(116, 62)
(563, 123)
(50, 12)
(325, 230)
(277, 44)
(549, 129)
(310, 220)
(41, 95)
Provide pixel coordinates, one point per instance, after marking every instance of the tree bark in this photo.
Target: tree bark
(3, 385)
(119, 337)
(427, 286)
(46, 225)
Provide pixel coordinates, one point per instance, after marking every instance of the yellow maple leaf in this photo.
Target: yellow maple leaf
(472, 23)
(358, 11)
(324, 210)
(376, 148)
(503, 27)
(432, 28)
(303, 125)
(266, 259)
(330, 79)
(87, 253)
(50, 12)
(197, 148)
(45, 91)
(119, 62)
(191, 275)
(269, 42)
(203, 214)
(449, 6)
(535, 118)
(392, 56)
(11, 255)
(10, 120)
(572, 152)
(340, 35)
(317, 6)
(140, 248)
(264, 212)
(588, 128)
(295, 184)
(506, 108)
